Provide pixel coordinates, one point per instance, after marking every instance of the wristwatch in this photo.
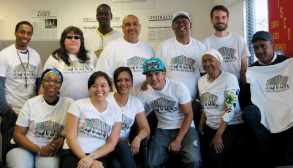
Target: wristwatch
(93, 156)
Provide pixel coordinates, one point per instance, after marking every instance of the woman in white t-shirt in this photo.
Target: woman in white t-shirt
(92, 127)
(132, 111)
(75, 63)
(221, 118)
(40, 127)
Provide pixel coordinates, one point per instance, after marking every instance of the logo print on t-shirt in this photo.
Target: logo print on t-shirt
(126, 122)
(95, 128)
(162, 105)
(78, 67)
(209, 100)
(19, 72)
(48, 130)
(228, 54)
(277, 84)
(135, 63)
(182, 63)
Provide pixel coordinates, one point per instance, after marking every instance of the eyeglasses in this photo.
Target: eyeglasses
(75, 37)
(54, 81)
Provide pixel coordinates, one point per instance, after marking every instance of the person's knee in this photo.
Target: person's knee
(47, 162)
(250, 113)
(12, 158)
(114, 163)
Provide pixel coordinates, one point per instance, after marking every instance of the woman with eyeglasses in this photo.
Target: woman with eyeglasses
(92, 127)
(132, 112)
(221, 121)
(40, 127)
(74, 61)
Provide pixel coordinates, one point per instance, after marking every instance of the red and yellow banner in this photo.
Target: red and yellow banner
(281, 24)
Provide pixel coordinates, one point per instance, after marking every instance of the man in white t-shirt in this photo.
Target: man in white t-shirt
(181, 56)
(266, 101)
(95, 40)
(128, 51)
(175, 133)
(20, 67)
(232, 47)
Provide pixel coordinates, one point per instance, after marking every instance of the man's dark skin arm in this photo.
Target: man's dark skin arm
(5, 108)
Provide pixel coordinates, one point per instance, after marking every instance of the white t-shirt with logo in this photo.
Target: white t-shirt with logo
(45, 122)
(182, 62)
(233, 48)
(96, 43)
(75, 75)
(16, 93)
(132, 107)
(213, 99)
(122, 53)
(94, 127)
(271, 92)
(166, 103)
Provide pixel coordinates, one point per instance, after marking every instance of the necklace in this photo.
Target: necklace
(122, 107)
(28, 62)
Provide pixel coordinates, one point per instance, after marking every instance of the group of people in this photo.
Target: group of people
(96, 87)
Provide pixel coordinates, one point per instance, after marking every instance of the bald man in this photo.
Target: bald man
(128, 51)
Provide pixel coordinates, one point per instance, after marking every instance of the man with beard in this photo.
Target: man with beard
(232, 47)
(96, 39)
(20, 67)
(266, 103)
(127, 51)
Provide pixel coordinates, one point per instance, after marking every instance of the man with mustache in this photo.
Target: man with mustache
(127, 51)
(266, 103)
(232, 47)
(20, 67)
(96, 39)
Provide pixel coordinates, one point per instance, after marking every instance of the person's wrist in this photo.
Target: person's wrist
(93, 156)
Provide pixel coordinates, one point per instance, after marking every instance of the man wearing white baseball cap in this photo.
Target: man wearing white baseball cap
(181, 55)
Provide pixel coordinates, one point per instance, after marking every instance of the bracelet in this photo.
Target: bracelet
(139, 136)
(93, 156)
(63, 137)
(39, 153)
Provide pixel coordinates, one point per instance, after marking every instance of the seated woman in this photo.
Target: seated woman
(74, 61)
(132, 110)
(92, 126)
(40, 127)
(221, 118)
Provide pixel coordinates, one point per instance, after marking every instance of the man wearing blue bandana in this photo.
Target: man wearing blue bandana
(20, 66)
(175, 133)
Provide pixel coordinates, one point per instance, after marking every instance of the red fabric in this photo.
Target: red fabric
(281, 24)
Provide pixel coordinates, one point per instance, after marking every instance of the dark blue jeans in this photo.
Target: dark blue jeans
(7, 129)
(272, 146)
(121, 157)
(229, 137)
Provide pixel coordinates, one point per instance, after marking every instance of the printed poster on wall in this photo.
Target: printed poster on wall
(89, 22)
(2, 27)
(133, 4)
(45, 24)
(160, 27)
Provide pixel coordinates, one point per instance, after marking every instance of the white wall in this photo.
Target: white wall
(68, 12)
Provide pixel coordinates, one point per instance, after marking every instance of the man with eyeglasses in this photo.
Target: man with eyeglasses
(128, 51)
(266, 103)
(20, 67)
(97, 39)
(232, 47)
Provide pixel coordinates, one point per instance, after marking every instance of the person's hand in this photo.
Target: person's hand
(47, 151)
(12, 113)
(85, 162)
(135, 144)
(97, 164)
(217, 143)
(57, 144)
(144, 86)
(174, 147)
(200, 129)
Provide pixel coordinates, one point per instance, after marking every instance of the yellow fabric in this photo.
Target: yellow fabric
(102, 35)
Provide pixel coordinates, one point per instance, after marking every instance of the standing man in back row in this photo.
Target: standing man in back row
(20, 67)
(96, 39)
(232, 47)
